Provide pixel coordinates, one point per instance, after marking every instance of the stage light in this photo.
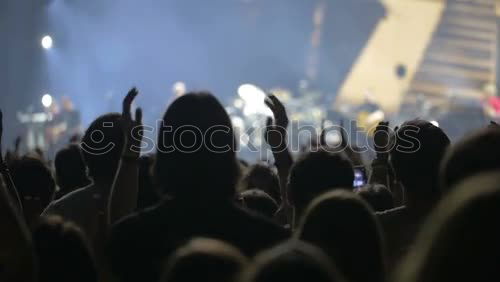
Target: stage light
(238, 103)
(238, 123)
(250, 92)
(254, 100)
(179, 88)
(46, 100)
(333, 138)
(435, 123)
(47, 42)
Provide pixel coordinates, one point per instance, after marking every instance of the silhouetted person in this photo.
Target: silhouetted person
(259, 201)
(260, 176)
(316, 173)
(64, 125)
(70, 170)
(291, 261)
(205, 260)
(418, 150)
(17, 255)
(476, 153)
(460, 240)
(35, 185)
(378, 196)
(101, 146)
(63, 252)
(344, 226)
(200, 176)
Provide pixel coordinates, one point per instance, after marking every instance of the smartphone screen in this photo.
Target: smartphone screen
(359, 177)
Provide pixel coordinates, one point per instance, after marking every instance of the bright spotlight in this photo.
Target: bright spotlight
(333, 138)
(179, 88)
(238, 103)
(46, 100)
(47, 42)
(254, 100)
(250, 92)
(238, 123)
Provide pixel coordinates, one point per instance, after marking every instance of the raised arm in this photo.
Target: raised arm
(380, 165)
(123, 197)
(276, 136)
(11, 188)
(17, 260)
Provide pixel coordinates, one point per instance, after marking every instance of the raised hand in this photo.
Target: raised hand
(381, 139)
(123, 196)
(275, 133)
(132, 128)
(276, 136)
(278, 109)
(4, 171)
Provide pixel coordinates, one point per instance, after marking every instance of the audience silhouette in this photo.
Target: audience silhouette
(193, 211)
(342, 225)
(201, 189)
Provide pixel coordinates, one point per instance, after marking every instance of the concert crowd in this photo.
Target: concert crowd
(428, 209)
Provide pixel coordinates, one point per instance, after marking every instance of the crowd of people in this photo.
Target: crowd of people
(192, 211)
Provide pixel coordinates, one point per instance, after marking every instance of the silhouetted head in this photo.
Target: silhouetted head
(262, 177)
(205, 260)
(71, 172)
(102, 146)
(63, 252)
(291, 261)
(196, 150)
(377, 196)
(35, 185)
(460, 240)
(316, 173)
(476, 153)
(259, 201)
(416, 157)
(343, 225)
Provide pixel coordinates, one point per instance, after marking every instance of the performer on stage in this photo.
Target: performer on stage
(64, 125)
